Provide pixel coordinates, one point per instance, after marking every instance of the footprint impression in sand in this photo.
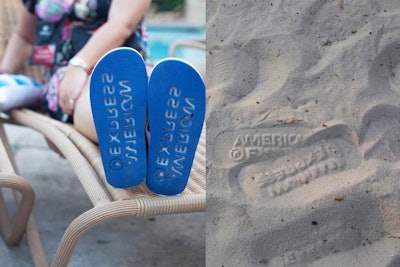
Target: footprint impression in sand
(272, 162)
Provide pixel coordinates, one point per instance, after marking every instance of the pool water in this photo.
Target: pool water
(160, 38)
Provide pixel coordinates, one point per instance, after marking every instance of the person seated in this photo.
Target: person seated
(68, 37)
(95, 76)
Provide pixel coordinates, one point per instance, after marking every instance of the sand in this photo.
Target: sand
(303, 133)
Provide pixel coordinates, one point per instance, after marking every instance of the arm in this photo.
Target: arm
(20, 45)
(123, 17)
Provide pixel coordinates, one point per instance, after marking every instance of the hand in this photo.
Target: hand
(71, 87)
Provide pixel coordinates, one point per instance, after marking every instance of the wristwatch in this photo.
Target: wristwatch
(79, 62)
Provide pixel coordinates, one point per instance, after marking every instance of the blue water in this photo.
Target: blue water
(161, 37)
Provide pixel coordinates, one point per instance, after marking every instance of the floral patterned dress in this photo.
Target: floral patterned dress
(71, 23)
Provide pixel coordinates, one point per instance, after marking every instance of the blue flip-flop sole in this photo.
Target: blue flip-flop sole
(176, 110)
(118, 87)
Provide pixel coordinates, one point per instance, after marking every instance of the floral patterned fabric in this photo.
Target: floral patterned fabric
(80, 19)
(52, 10)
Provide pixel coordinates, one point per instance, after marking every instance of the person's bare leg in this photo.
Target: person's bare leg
(83, 119)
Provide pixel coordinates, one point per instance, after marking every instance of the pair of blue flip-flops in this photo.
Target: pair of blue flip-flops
(123, 98)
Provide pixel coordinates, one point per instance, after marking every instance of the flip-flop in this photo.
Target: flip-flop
(176, 110)
(118, 87)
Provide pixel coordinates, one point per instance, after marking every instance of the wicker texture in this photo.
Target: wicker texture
(109, 202)
(85, 158)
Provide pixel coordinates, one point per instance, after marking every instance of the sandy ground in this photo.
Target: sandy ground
(303, 132)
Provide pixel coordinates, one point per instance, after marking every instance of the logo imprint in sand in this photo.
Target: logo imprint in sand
(248, 146)
(287, 173)
(322, 161)
(271, 162)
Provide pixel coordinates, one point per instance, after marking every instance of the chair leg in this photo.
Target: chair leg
(23, 192)
(35, 244)
(85, 222)
(24, 197)
(12, 232)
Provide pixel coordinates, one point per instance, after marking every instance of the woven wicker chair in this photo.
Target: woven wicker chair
(84, 157)
(13, 231)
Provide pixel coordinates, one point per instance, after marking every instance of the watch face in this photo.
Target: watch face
(78, 62)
